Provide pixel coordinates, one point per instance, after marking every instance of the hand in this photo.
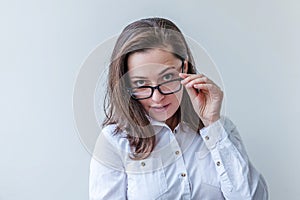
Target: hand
(205, 96)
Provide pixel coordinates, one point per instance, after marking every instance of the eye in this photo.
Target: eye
(168, 77)
(139, 83)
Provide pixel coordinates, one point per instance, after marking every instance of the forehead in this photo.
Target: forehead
(151, 62)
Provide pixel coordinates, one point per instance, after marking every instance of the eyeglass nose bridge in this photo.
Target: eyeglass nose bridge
(153, 88)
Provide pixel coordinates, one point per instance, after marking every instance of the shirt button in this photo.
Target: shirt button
(183, 174)
(177, 152)
(175, 131)
(218, 163)
(206, 138)
(143, 164)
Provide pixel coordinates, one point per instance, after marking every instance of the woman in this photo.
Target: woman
(163, 137)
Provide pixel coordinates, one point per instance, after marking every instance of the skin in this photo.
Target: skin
(153, 67)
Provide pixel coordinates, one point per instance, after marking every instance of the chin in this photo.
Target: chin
(159, 118)
(162, 117)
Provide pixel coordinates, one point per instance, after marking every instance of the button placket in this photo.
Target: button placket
(180, 163)
(180, 160)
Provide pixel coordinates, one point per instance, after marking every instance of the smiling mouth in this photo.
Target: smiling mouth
(160, 108)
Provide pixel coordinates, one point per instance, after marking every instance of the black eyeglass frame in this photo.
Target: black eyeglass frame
(157, 87)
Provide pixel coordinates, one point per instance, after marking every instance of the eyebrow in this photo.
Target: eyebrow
(160, 73)
(163, 71)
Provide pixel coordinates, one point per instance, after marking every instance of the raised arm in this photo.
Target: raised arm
(239, 179)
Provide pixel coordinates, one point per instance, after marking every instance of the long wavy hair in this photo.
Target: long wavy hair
(124, 111)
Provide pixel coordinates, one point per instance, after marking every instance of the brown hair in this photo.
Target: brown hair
(127, 113)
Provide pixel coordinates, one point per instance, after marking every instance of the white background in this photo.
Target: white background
(255, 45)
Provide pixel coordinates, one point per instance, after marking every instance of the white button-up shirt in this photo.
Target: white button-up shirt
(211, 165)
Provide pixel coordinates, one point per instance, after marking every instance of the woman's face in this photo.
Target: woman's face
(151, 68)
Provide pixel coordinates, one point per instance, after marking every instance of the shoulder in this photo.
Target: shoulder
(231, 130)
(111, 147)
(227, 123)
(115, 137)
(112, 132)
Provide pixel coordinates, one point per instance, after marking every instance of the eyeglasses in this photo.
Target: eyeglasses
(165, 88)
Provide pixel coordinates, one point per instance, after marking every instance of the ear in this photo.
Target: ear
(186, 65)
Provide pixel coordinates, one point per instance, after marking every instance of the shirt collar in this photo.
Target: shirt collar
(154, 122)
(158, 124)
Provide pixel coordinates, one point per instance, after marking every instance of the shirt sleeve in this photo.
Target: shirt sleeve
(238, 177)
(107, 179)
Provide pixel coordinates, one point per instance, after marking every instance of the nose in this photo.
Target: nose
(157, 96)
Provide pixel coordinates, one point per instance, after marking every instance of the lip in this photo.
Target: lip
(159, 108)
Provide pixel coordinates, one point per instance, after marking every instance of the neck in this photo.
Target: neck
(173, 121)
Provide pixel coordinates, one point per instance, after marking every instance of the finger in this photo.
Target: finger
(183, 75)
(191, 77)
(203, 86)
(197, 81)
(212, 89)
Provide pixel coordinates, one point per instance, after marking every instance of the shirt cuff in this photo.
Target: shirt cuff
(213, 133)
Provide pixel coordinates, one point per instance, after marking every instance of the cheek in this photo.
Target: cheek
(177, 97)
(145, 103)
